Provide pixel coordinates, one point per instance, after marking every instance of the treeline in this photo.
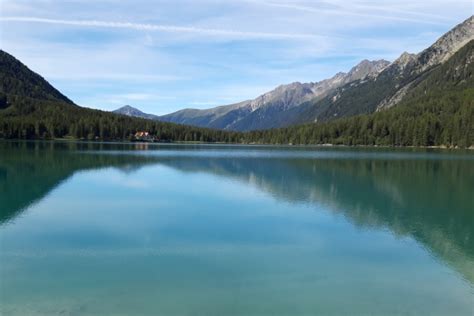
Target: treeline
(31, 108)
(435, 119)
(42, 119)
(439, 119)
(438, 111)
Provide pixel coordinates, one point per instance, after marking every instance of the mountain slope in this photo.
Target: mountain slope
(17, 80)
(437, 110)
(218, 117)
(434, 107)
(367, 88)
(391, 85)
(269, 109)
(31, 108)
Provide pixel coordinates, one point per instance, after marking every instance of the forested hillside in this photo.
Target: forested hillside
(439, 110)
(390, 87)
(31, 108)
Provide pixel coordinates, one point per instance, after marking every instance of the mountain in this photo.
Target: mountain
(367, 88)
(437, 109)
(31, 108)
(269, 110)
(17, 80)
(391, 85)
(425, 99)
(133, 112)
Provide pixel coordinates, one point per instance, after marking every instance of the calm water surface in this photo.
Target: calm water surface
(129, 229)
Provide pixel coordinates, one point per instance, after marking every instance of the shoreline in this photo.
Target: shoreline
(66, 140)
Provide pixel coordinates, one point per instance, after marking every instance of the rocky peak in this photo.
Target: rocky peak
(292, 86)
(447, 45)
(295, 93)
(366, 68)
(404, 59)
(286, 95)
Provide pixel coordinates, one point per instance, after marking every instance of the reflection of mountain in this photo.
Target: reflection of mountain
(371, 193)
(29, 171)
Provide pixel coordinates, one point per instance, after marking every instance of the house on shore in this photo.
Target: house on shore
(144, 136)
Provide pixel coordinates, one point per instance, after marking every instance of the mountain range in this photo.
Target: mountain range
(424, 99)
(268, 110)
(368, 87)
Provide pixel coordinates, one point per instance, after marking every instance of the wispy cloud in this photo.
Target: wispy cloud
(161, 27)
(168, 55)
(391, 10)
(364, 12)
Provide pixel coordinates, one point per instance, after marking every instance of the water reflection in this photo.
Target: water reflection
(428, 198)
(30, 170)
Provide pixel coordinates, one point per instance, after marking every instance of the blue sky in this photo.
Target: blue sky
(162, 56)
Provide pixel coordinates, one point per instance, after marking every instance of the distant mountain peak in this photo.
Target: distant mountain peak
(129, 110)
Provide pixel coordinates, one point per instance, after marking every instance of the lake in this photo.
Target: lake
(147, 229)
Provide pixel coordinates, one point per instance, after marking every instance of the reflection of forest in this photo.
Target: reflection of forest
(428, 199)
(30, 170)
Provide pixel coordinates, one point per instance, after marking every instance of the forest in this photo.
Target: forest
(436, 119)
(438, 111)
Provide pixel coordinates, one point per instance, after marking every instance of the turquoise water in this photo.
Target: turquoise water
(130, 229)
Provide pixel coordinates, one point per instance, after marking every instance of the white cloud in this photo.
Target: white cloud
(161, 27)
(364, 9)
(202, 53)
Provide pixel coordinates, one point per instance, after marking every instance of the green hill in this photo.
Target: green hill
(31, 108)
(17, 81)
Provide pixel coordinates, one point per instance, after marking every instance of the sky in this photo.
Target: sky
(161, 56)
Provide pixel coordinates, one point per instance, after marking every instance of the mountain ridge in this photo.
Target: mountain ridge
(391, 84)
(368, 87)
(437, 108)
(239, 116)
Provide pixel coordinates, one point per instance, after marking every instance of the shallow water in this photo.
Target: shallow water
(141, 229)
